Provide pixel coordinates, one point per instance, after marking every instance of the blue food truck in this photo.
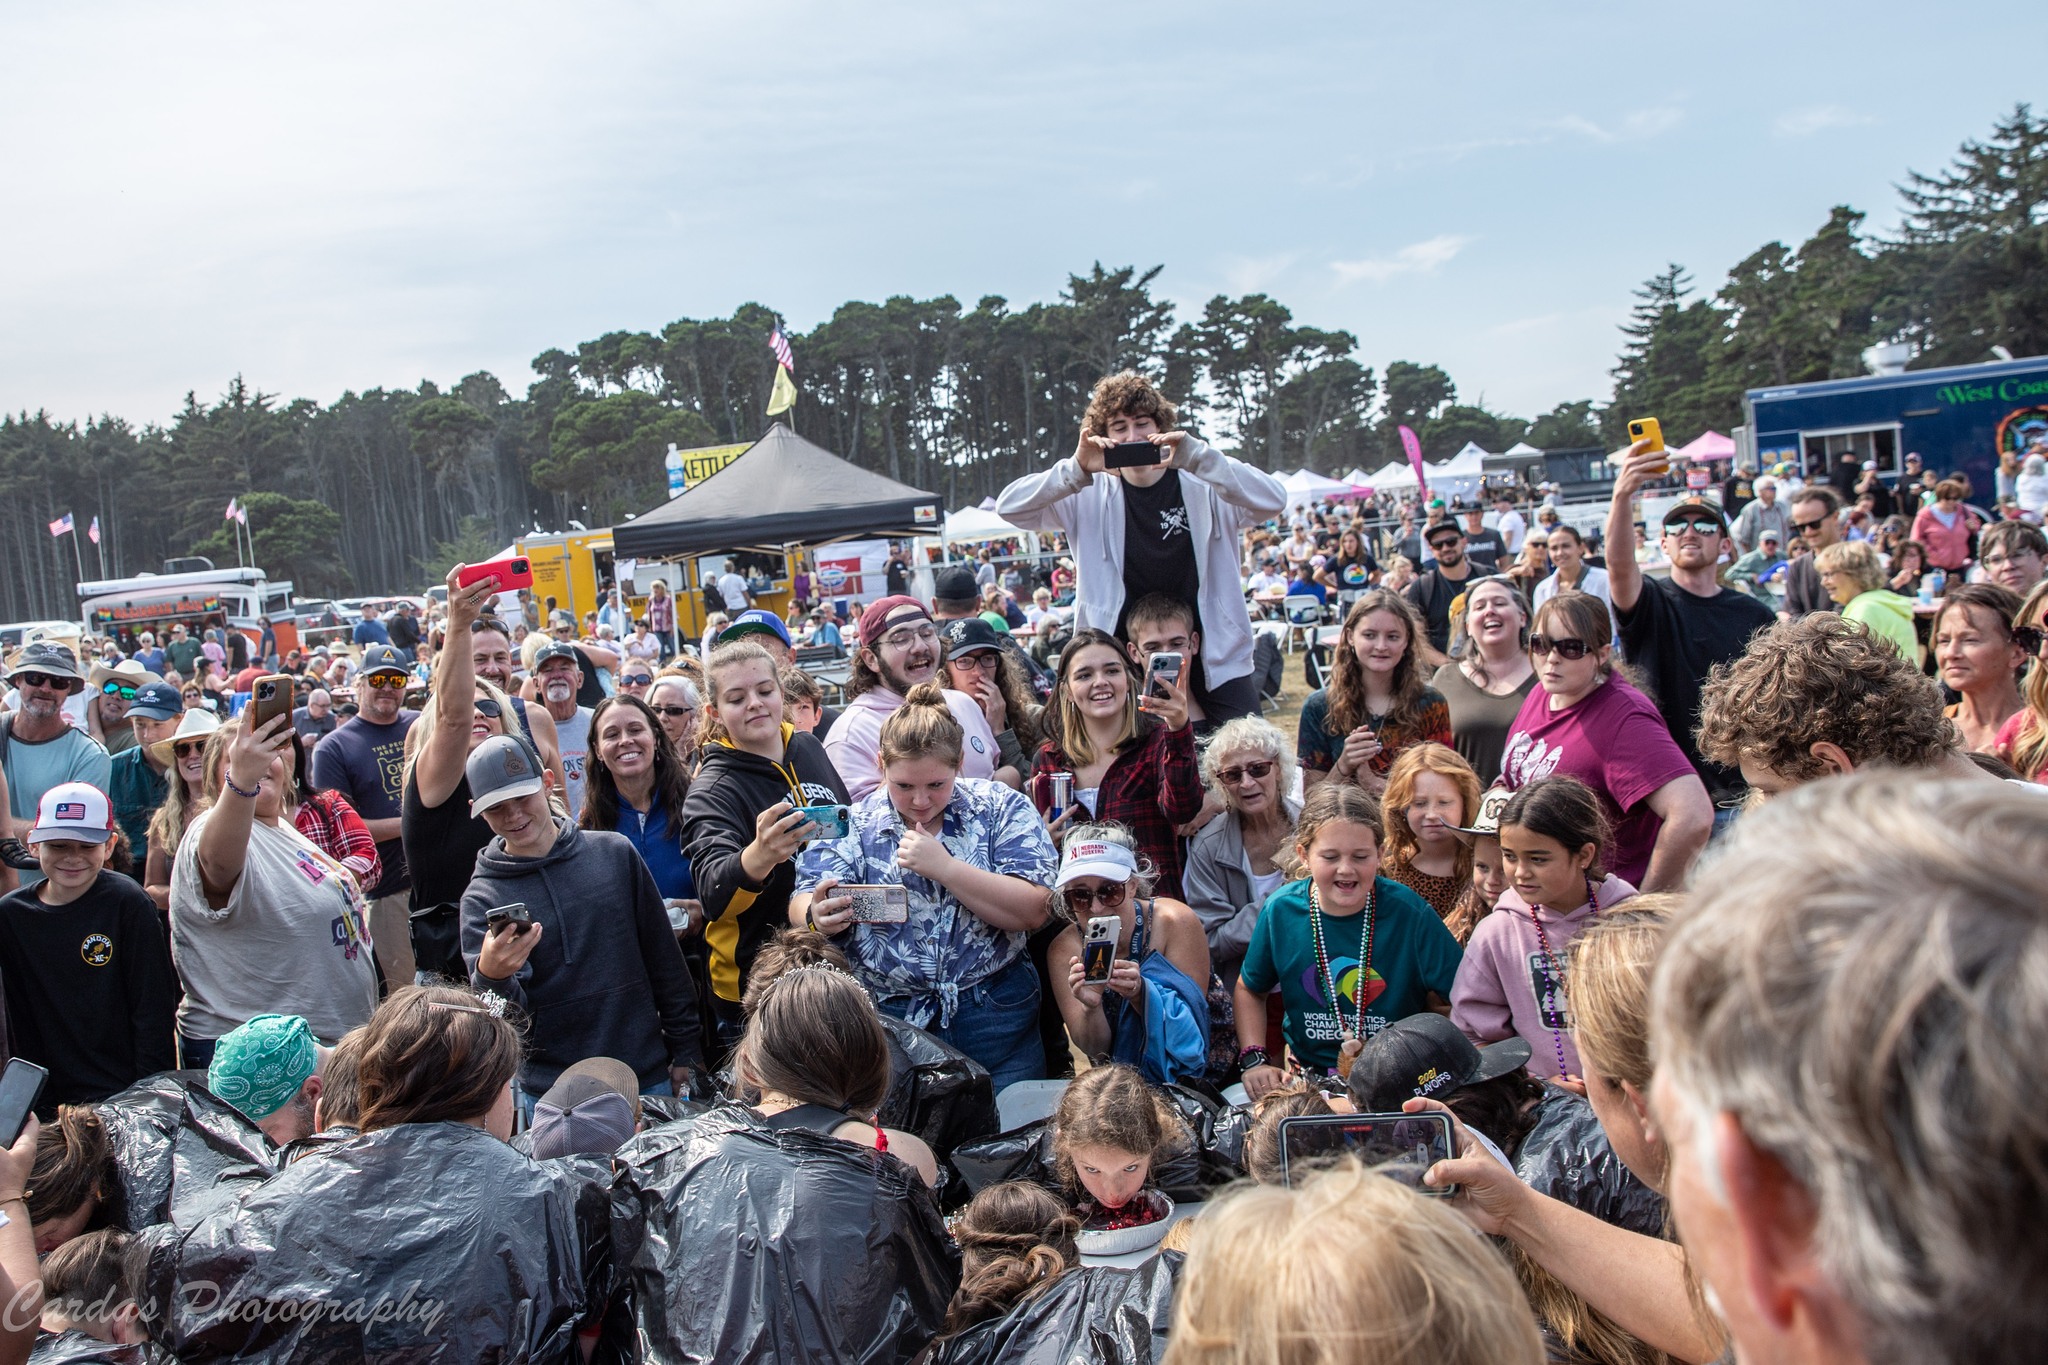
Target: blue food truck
(1957, 418)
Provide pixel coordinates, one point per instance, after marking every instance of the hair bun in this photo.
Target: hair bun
(927, 694)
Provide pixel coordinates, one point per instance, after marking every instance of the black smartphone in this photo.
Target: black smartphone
(21, 1085)
(515, 914)
(1403, 1146)
(1130, 455)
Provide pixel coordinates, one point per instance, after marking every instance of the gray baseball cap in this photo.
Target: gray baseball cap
(502, 768)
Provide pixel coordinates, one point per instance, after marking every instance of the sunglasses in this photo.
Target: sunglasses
(386, 681)
(2029, 638)
(39, 680)
(189, 749)
(1442, 543)
(1257, 771)
(637, 680)
(673, 710)
(1109, 897)
(1802, 527)
(1570, 649)
(1701, 526)
(124, 691)
(488, 708)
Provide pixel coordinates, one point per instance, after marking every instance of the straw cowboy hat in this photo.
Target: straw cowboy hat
(194, 724)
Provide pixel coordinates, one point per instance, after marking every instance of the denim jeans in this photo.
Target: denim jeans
(195, 1054)
(996, 1024)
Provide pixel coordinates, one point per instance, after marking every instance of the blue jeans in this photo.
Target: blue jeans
(996, 1024)
(195, 1054)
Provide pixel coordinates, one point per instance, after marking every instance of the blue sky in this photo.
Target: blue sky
(344, 197)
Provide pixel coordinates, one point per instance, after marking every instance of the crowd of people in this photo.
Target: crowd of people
(592, 993)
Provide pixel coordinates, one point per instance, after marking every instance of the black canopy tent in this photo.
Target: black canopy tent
(780, 491)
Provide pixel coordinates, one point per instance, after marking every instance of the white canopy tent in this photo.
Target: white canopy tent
(974, 523)
(1305, 486)
(1461, 475)
(1397, 476)
(1522, 450)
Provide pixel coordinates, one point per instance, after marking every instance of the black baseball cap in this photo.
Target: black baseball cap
(556, 649)
(1691, 508)
(1426, 1055)
(968, 634)
(955, 584)
(383, 659)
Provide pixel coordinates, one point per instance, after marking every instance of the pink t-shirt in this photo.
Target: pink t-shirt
(1615, 742)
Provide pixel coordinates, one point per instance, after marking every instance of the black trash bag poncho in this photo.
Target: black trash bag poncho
(180, 1153)
(1205, 1158)
(936, 1091)
(424, 1242)
(1568, 1157)
(744, 1243)
(1096, 1315)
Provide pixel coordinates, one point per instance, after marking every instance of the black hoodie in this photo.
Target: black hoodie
(606, 979)
(731, 789)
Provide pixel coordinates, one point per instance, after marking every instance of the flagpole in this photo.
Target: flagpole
(77, 555)
(101, 545)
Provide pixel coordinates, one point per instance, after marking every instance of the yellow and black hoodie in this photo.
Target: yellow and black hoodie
(729, 791)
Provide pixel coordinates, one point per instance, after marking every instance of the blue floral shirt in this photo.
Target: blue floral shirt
(943, 947)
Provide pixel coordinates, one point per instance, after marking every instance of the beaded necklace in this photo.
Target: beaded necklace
(1556, 986)
(1315, 920)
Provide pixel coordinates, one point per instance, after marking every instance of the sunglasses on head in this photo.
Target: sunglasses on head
(1258, 771)
(1567, 648)
(1108, 897)
(125, 691)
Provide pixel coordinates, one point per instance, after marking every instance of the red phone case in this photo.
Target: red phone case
(516, 572)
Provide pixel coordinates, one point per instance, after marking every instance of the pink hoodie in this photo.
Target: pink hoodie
(1505, 975)
(855, 743)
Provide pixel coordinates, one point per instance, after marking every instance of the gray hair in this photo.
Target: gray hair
(1245, 735)
(691, 697)
(1107, 832)
(1862, 983)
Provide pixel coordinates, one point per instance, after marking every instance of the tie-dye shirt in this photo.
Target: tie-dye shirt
(944, 947)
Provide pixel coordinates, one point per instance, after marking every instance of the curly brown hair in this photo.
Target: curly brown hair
(1126, 394)
(1822, 679)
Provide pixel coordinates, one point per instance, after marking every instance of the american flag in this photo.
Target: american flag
(92, 532)
(779, 344)
(61, 526)
(229, 515)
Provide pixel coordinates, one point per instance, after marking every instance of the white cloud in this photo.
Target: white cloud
(1419, 258)
(1635, 126)
(1255, 274)
(1819, 118)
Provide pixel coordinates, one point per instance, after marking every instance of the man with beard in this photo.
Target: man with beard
(39, 749)
(364, 760)
(1434, 592)
(1676, 629)
(491, 649)
(899, 648)
(559, 676)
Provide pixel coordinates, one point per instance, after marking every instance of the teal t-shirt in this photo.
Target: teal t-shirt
(1412, 955)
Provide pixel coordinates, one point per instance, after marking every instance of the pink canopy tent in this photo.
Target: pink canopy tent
(1709, 445)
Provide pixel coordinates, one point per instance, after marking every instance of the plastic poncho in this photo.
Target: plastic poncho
(1096, 1315)
(1567, 1156)
(1204, 1157)
(743, 1243)
(428, 1242)
(179, 1152)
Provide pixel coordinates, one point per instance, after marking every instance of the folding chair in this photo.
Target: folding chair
(1304, 614)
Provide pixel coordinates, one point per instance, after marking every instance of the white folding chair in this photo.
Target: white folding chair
(1304, 613)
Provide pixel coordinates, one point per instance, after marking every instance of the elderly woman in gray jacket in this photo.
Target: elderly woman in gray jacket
(1234, 861)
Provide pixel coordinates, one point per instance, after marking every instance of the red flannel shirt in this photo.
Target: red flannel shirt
(1152, 786)
(335, 829)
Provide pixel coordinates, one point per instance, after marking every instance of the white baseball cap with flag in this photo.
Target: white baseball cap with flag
(76, 812)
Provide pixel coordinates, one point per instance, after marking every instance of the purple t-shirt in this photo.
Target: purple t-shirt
(1615, 742)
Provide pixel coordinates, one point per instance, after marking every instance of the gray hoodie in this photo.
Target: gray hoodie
(606, 979)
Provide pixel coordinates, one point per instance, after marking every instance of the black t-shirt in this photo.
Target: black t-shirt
(1433, 594)
(1355, 573)
(1159, 549)
(1674, 637)
(441, 844)
(1486, 549)
(90, 990)
(1737, 492)
(403, 630)
(899, 578)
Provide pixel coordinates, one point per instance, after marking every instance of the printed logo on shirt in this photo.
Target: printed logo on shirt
(312, 870)
(97, 950)
(818, 794)
(1173, 521)
(1345, 969)
(979, 747)
(1551, 1002)
(1529, 759)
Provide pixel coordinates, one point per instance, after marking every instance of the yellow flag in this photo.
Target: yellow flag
(783, 397)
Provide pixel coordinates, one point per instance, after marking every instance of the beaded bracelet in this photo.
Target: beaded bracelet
(228, 780)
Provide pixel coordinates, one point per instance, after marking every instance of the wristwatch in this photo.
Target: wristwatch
(1250, 1057)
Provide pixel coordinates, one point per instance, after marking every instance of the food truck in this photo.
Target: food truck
(1958, 418)
(243, 599)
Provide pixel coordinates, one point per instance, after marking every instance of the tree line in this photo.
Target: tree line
(380, 491)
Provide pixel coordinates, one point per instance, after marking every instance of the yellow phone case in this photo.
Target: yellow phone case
(1646, 427)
